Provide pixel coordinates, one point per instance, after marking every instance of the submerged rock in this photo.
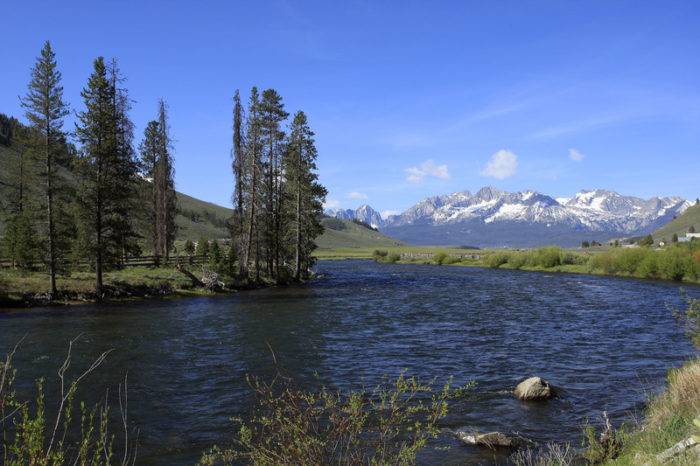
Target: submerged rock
(492, 439)
(534, 388)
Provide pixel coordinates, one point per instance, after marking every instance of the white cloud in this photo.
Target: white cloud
(331, 204)
(356, 195)
(503, 164)
(427, 169)
(388, 213)
(575, 155)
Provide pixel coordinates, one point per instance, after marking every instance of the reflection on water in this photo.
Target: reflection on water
(606, 341)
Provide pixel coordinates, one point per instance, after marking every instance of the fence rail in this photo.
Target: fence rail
(132, 261)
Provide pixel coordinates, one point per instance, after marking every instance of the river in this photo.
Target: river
(607, 342)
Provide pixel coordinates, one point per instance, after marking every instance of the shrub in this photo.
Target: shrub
(32, 433)
(604, 447)
(629, 259)
(440, 258)
(393, 258)
(387, 425)
(648, 267)
(548, 257)
(674, 263)
(518, 259)
(497, 259)
(379, 254)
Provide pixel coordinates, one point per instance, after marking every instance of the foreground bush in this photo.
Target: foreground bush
(387, 425)
(32, 436)
(674, 263)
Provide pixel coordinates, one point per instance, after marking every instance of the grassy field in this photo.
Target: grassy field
(14, 285)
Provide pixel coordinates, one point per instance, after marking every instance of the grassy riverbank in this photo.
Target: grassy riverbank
(668, 420)
(678, 263)
(18, 288)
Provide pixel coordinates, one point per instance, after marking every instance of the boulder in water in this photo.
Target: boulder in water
(491, 439)
(534, 389)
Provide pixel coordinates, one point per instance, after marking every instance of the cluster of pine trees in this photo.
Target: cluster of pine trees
(67, 205)
(277, 197)
(89, 196)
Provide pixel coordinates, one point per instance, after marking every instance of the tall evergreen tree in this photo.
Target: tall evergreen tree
(305, 190)
(253, 166)
(45, 109)
(272, 114)
(239, 175)
(149, 149)
(107, 168)
(164, 183)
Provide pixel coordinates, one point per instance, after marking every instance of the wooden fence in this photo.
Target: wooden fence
(133, 261)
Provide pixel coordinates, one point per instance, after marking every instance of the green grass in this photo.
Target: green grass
(210, 223)
(680, 225)
(668, 420)
(18, 283)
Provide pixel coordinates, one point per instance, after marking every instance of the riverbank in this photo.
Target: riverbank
(677, 263)
(668, 420)
(28, 289)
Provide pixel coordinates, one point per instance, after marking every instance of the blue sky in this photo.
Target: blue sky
(408, 99)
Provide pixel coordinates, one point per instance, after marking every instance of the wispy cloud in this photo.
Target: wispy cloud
(427, 169)
(581, 126)
(576, 156)
(503, 164)
(331, 204)
(356, 195)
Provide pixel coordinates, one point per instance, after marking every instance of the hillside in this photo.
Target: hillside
(680, 225)
(347, 234)
(197, 218)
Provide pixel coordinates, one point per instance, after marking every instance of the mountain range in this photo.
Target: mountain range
(494, 218)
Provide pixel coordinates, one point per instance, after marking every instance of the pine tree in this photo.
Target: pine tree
(239, 175)
(18, 242)
(253, 154)
(45, 109)
(108, 169)
(272, 114)
(674, 238)
(164, 182)
(691, 229)
(308, 194)
(148, 150)
(203, 247)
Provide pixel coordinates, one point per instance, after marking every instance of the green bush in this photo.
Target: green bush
(440, 258)
(674, 264)
(379, 254)
(393, 258)
(518, 259)
(548, 257)
(497, 259)
(648, 267)
(387, 425)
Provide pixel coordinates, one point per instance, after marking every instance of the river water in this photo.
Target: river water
(607, 342)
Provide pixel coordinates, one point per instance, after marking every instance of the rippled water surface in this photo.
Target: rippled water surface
(606, 341)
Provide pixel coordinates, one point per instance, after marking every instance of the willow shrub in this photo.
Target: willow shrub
(29, 435)
(388, 425)
(673, 263)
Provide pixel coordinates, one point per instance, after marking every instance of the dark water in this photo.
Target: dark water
(607, 341)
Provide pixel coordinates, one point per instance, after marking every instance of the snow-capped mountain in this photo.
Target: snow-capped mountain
(492, 217)
(364, 213)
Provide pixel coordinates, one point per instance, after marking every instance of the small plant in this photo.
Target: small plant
(690, 317)
(604, 447)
